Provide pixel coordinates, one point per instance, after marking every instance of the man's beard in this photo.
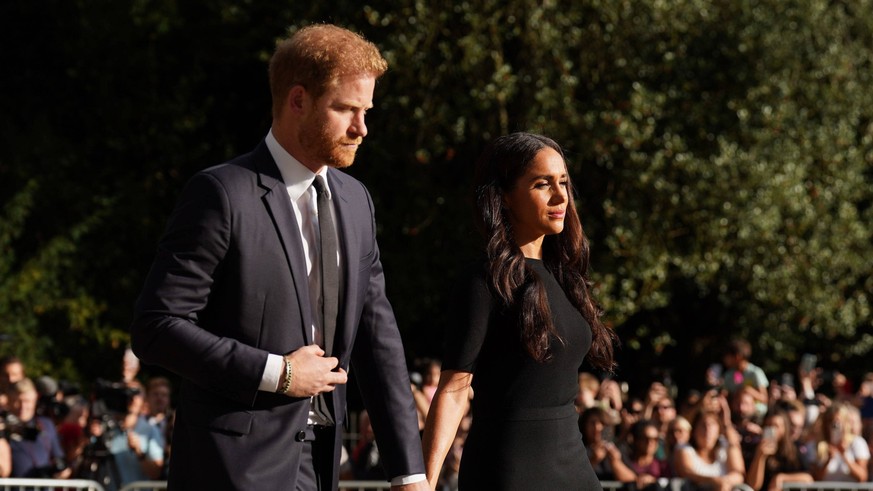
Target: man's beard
(333, 153)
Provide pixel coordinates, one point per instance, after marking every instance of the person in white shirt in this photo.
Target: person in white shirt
(841, 454)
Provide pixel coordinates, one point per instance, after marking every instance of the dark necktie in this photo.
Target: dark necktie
(329, 269)
(329, 284)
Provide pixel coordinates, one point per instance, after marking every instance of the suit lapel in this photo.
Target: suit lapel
(278, 205)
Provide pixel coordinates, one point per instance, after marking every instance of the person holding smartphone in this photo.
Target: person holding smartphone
(841, 453)
(777, 459)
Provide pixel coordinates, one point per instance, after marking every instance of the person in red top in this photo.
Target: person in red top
(643, 459)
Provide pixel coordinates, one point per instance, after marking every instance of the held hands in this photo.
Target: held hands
(312, 372)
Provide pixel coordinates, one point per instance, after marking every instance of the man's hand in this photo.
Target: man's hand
(312, 373)
(416, 486)
(134, 443)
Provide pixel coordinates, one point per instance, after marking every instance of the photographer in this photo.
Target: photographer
(36, 451)
(125, 447)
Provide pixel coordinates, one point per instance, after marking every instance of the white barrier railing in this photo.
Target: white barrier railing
(27, 484)
(677, 484)
(145, 486)
(827, 486)
(359, 485)
(343, 485)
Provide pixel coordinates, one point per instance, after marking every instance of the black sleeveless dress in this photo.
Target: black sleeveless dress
(524, 434)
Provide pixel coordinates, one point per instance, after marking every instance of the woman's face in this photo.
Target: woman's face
(538, 201)
(706, 433)
(778, 425)
(679, 433)
(648, 444)
(593, 429)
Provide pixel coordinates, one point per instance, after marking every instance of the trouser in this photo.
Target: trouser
(316, 459)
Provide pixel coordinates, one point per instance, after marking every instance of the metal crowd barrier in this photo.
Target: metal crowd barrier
(22, 484)
(674, 484)
(677, 484)
(145, 486)
(359, 485)
(343, 485)
(26, 484)
(827, 486)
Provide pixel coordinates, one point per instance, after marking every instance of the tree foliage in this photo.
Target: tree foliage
(723, 154)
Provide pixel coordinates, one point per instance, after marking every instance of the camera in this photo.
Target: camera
(112, 397)
(14, 429)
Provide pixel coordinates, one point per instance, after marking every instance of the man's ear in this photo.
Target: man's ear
(297, 100)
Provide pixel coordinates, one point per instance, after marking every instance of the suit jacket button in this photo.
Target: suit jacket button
(301, 436)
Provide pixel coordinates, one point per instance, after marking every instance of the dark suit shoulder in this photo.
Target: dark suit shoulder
(245, 173)
(242, 166)
(346, 184)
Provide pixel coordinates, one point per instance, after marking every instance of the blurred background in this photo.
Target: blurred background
(722, 153)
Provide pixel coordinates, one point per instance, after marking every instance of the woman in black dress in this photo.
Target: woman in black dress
(523, 323)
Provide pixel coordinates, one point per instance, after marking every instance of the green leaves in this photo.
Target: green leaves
(722, 153)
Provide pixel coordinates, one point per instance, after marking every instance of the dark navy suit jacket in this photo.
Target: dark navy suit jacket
(227, 287)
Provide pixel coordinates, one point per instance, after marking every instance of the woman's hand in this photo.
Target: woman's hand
(767, 446)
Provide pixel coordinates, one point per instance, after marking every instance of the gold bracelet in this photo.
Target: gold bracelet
(287, 385)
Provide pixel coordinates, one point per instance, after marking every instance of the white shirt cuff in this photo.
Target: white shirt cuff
(272, 373)
(401, 480)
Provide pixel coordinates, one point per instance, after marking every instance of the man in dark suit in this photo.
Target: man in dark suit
(268, 286)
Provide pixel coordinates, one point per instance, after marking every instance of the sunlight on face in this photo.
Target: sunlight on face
(537, 203)
(334, 127)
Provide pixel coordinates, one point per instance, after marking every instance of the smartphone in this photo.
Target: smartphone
(715, 370)
(808, 362)
(769, 433)
(787, 380)
(608, 434)
(713, 375)
(837, 434)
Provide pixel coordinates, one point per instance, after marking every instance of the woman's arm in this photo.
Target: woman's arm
(448, 407)
(735, 462)
(621, 470)
(857, 468)
(755, 477)
(5, 458)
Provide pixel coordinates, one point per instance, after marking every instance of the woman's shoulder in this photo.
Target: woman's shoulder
(859, 448)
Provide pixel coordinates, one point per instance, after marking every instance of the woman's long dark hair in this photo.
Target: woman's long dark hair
(787, 454)
(566, 254)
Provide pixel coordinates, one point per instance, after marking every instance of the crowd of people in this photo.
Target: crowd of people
(116, 433)
(741, 430)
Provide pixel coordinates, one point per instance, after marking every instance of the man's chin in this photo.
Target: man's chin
(341, 164)
(342, 161)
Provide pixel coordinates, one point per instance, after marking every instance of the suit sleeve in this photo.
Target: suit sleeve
(165, 330)
(379, 362)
